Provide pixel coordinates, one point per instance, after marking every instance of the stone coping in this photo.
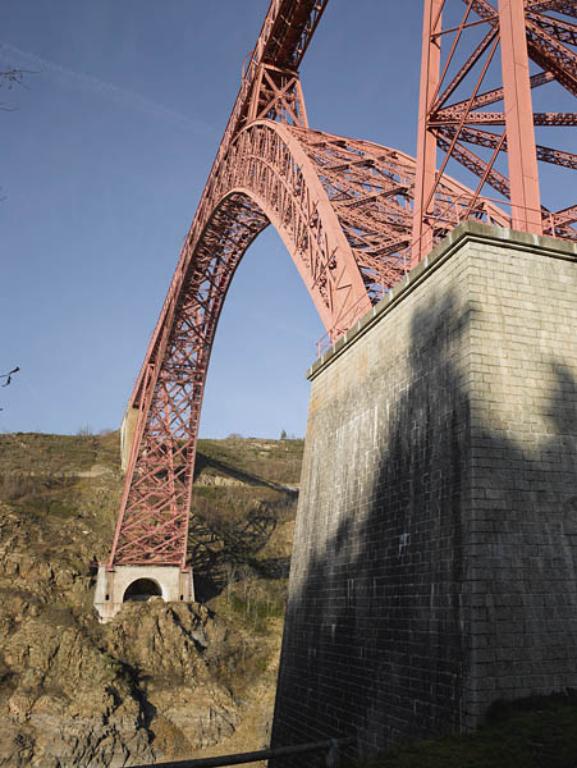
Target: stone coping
(469, 231)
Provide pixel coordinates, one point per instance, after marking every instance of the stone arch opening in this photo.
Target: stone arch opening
(141, 590)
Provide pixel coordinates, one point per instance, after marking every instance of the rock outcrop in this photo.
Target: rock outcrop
(161, 681)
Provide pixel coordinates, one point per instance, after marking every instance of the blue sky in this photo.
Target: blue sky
(103, 158)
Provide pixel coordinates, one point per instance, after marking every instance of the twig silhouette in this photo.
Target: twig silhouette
(8, 376)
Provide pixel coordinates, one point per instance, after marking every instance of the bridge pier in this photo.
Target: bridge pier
(140, 582)
(434, 568)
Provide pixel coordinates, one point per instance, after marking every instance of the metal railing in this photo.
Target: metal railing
(330, 746)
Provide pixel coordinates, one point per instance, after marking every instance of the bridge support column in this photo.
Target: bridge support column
(435, 552)
(140, 582)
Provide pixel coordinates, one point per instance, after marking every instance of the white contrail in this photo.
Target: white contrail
(15, 57)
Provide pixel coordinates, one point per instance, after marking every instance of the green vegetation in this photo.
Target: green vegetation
(271, 461)
(537, 733)
(253, 602)
(34, 454)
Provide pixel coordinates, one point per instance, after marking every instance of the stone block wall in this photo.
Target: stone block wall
(434, 566)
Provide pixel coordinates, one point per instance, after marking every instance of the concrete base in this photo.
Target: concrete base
(173, 583)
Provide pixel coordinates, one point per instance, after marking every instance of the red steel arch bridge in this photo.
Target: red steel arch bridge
(354, 215)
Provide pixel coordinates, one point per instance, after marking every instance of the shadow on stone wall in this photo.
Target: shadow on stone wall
(382, 639)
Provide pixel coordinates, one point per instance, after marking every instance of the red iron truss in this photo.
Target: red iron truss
(475, 107)
(354, 216)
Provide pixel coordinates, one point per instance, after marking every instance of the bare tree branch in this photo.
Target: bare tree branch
(9, 79)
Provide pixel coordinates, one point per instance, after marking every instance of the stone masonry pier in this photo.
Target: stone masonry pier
(434, 569)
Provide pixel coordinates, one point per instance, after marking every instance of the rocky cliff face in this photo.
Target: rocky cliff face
(161, 681)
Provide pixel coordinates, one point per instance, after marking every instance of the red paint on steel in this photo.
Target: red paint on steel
(354, 216)
(521, 149)
(457, 60)
(426, 144)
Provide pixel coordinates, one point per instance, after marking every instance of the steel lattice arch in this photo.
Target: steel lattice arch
(354, 215)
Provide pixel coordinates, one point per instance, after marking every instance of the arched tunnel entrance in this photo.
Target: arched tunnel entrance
(141, 590)
(134, 583)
